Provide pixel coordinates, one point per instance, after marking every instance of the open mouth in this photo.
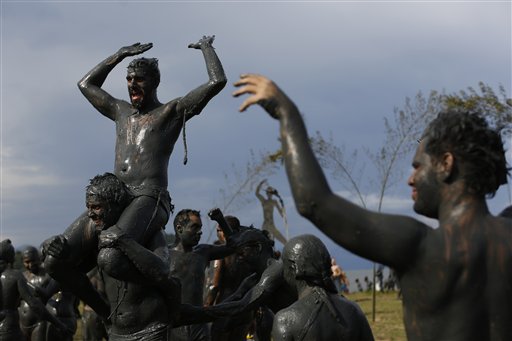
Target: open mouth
(136, 95)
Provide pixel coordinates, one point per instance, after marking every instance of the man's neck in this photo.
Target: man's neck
(183, 248)
(461, 205)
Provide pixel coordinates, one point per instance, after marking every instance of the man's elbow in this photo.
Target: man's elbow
(218, 84)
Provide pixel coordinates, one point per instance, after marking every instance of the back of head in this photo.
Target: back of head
(477, 149)
(233, 222)
(310, 261)
(31, 253)
(7, 251)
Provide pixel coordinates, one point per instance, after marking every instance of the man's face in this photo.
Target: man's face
(31, 263)
(220, 234)
(424, 183)
(190, 234)
(140, 87)
(100, 212)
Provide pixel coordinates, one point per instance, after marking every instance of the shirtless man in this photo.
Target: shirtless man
(146, 132)
(135, 306)
(32, 325)
(456, 280)
(13, 287)
(319, 313)
(188, 263)
(268, 204)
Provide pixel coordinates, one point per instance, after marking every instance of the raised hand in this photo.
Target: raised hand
(134, 49)
(203, 42)
(215, 214)
(262, 91)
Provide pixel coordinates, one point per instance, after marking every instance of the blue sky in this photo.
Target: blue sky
(347, 65)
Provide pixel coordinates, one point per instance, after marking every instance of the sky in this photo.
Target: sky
(346, 65)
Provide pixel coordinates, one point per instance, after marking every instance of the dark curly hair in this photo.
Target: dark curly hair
(183, 217)
(149, 65)
(109, 188)
(477, 148)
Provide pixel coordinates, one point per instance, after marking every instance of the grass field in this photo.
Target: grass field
(388, 325)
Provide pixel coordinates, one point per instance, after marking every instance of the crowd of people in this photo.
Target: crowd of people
(455, 279)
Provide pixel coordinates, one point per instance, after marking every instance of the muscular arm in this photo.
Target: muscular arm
(387, 239)
(195, 101)
(90, 84)
(213, 252)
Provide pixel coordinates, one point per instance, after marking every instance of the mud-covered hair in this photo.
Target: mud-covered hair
(148, 65)
(183, 217)
(7, 251)
(233, 222)
(31, 252)
(109, 188)
(477, 148)
(312, 261)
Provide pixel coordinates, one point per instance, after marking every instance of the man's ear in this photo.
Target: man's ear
(446, 166)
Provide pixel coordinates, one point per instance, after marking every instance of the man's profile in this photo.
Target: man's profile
(456, 281)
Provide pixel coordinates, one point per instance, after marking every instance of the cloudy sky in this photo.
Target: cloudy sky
(346, 64)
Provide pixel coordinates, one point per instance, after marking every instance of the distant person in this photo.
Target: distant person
(13, 288)
(336, 274)
(359, 285)
(455, 279)
(33, 324)
(268, 204)
(319, 313)
(188, 262)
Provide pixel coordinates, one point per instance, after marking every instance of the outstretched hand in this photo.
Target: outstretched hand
(204, 41)
(135, 49)
(262, 91)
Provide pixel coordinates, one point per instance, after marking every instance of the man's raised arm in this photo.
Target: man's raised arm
(90, 84)
(387, 239)
(195, 101)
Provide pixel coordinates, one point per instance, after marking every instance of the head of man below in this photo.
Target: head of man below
(106, 197)
(143, 78)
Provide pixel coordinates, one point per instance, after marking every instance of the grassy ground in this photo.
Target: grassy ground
(388, 325)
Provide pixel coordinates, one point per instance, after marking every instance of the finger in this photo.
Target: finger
(247, 89)
(248, 102)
